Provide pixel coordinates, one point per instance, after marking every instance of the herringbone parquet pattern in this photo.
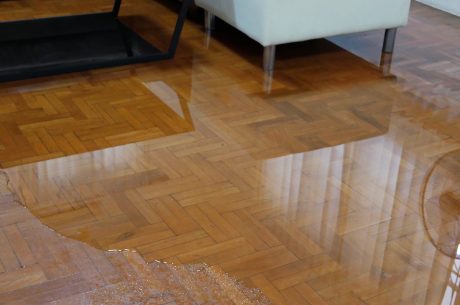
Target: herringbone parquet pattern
(41, 267)
(85, 117)
(310, 192)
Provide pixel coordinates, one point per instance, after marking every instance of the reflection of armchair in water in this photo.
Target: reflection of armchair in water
(356, 108)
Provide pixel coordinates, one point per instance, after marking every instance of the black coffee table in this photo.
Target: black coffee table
(48, 46)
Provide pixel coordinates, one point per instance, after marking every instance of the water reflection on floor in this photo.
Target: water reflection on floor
(323, 222)
(339, 187)
(50, 269)
(441, 204)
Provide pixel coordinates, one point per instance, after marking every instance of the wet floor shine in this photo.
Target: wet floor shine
(332, 183)
(39, 266)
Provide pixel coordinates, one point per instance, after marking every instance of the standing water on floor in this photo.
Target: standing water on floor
(52, 269)
(441, 204)
(162, 283)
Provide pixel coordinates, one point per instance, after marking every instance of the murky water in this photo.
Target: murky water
(128, 280)
(161, 283)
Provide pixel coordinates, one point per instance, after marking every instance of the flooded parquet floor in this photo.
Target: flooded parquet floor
(335, 184)
(41, 267)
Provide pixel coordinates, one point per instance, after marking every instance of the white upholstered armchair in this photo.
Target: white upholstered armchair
(274, 22)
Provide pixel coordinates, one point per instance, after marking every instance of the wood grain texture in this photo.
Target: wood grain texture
(311, 192)
(79, 118)
(42, 267)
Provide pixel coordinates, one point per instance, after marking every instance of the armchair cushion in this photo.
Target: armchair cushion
(272, 22)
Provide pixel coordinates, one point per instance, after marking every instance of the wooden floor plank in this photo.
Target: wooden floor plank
(338, 184)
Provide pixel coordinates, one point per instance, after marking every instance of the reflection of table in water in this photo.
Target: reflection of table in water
(39, 47)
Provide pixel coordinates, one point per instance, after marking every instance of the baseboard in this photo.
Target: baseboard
(449, 6)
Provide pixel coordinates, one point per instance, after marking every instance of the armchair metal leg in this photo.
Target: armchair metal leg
(389, 40)
(209, 21)
(268, 81)
(269, 58)
(385, 63)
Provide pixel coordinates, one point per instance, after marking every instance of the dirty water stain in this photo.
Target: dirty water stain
(111, 277)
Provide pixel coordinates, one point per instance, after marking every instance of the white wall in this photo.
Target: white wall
(451, 6)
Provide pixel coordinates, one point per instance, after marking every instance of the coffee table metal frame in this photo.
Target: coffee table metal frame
(53, 38)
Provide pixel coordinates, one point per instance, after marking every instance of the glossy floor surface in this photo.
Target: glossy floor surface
(41, 267)
(330, 183)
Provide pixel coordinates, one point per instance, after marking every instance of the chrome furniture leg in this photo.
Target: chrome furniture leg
(385, 63)
(269, 58)
(387, 51)
(389, 40)
(209, 21)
